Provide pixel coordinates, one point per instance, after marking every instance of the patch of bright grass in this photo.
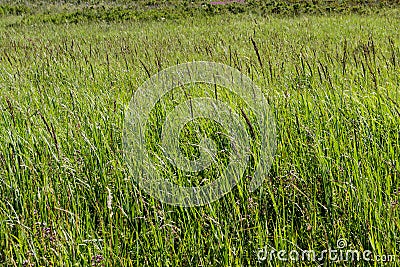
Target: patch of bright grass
(66, 195)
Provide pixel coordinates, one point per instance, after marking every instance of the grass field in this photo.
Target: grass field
(67, 197)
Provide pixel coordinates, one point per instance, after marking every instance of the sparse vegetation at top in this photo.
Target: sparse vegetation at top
(122, 10)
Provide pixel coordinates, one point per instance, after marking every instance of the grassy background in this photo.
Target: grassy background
(75, 11)
(66, 195)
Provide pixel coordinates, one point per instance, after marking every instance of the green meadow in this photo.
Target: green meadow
(331, 77)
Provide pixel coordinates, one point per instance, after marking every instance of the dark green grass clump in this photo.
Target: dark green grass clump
(59, 12)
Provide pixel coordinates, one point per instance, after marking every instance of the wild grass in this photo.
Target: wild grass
(67, 197)
(28, 12)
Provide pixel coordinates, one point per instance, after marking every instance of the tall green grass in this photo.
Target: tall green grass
(66, 197)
